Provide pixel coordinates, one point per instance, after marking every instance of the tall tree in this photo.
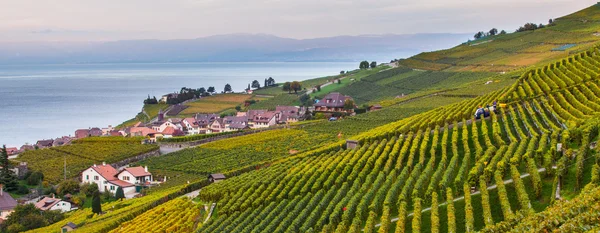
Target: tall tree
(227, 88)
(96, 204)
(493, 32)
(256, 84)
(478, 35)
(211, 89)
(296, 86)
(373, 64)
(363, 65)
(7, 176)
(271, 81)
(287, 86)
(120, 195)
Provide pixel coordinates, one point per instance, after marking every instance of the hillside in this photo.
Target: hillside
(424, 163)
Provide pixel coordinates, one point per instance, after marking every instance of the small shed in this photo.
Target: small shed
(68, 227)
(375, 107)
(351, 144)
(215, 178)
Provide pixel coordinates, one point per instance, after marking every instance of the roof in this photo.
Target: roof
(217, 176)
(46, 203)
(252, 113)
(7, 202)
(137, 171)
(11, 150)
(71, 225)
(45, 142)
(265, 117)
(121, 183)
(168, 131)
(143, 131)
(235, 119)
(237, 125)
(107, 171)
(335, 100)
(287, 109)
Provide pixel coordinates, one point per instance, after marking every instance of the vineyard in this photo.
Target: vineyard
(405, 176)
(82, 154)
(179, 215)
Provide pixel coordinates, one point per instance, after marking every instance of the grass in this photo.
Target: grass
(215, 104)
(356, 76)
(153, 109)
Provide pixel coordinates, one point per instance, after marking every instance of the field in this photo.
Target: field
(81, 155)
(215, 104)
(407, 165)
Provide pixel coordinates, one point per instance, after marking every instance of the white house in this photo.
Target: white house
(51, 203)
(105, 176)
(135, 175)
(265, 120)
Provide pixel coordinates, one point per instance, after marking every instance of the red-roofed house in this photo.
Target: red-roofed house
(51, 203)
(12, 150)
(171, 132)
(105, 176)
(135, 175)
(333, 102)
(265, 119)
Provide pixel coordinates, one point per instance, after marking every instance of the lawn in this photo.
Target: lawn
(215, 103)
(152, 109)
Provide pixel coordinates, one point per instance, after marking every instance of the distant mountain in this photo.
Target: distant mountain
(230, 48)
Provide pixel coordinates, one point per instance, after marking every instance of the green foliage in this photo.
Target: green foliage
(96, 203)
(7, 176)
(27, 217)
(119, 194)
(67, 187)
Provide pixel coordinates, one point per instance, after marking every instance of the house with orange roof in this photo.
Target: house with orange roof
(51, 203)
(135, 175)
(107, 179)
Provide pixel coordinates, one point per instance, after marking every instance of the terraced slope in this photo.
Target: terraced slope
(404, 167)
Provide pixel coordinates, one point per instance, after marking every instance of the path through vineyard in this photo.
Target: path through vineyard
(491, 187)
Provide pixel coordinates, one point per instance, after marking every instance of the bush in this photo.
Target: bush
(34, 178)
(67, 186)
(88, 189)
(22, 190)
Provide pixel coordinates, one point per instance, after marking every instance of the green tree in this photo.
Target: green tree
(287, 87)
(211, 89)
(120, 195)
(67, 186)
(227, 88)
(96, 203)
(35, 178)
(296, 86)
(256, 84)
(27, 217)
(373, 64)
(502, 32)
(493, 32)
(7, 176)
(88, 189)
(479, 35)
(363, 65)
(318, 88)
(349, 104)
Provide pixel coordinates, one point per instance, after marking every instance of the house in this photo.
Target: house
(51, 203)
(216, 178)
(166, 97)
(12, 150)
(265, 120)
(141, 131)
(375, 107)
(62, 141)
(106, 131)
(135, 175)
(26, 147)
(333, 102)
(7, 204)
(105, 176)
(235, 123)
(289, 114)
(70, 226)
(44, 143)
(217, 126)
(82, 133)
(171, 132)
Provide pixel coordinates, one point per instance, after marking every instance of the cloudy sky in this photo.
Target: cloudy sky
(102, 20)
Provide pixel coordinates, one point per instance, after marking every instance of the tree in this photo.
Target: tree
(287, 86)
(35, 178)
(88, 189)
(339, 81)
(318, 88)
(478, 35)
(227, 88)
(493, 32)
(67, 186)
(28, 217)
(364, 65)
(238, 108)
(296, 86)
(255, 84)
(305, 100)
(202, 90)
(211, 89)
(550, 21)
(349, 104)
(96, 204)
(120, 195)
(7, 176)
(266, 82)
(342, 72)
(373, 64)
(502, 32)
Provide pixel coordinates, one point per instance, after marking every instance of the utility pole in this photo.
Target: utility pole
(65, 166)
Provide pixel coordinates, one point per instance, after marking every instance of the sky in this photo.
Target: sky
(109, 20)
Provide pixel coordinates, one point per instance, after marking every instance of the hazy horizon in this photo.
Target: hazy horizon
(110, 20)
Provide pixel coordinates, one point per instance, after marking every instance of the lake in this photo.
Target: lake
(49, 101)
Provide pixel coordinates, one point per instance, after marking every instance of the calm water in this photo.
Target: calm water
(48, 101)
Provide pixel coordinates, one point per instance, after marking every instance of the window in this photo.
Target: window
(96, 178)
(87, 177)
(112, 187)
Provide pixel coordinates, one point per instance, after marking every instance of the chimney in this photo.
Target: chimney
(95, 165)
(146, 168)
(53, 196)
(1, 189)
(103, 163)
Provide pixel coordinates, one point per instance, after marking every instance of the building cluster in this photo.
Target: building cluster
(213, 123)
